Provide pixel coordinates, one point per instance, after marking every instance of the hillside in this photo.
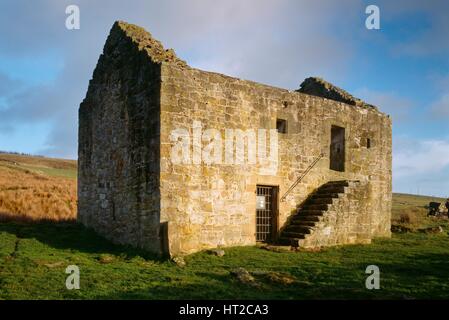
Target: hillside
(37, 188)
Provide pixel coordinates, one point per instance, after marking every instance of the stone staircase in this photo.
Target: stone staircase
(308, 217)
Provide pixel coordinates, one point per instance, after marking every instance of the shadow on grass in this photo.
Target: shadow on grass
(207, 287)
(74, 237)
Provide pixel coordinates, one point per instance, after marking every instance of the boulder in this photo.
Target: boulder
(179, 261)
(243, 275)
(217, 252)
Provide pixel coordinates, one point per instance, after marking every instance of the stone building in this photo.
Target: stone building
(150, 125)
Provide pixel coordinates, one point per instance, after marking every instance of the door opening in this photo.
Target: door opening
(337, 149)
(266, 213)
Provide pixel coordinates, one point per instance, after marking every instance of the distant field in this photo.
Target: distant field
(402, 200)
(411, 210)
(36, 188)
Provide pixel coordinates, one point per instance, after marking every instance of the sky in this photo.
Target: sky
(403, 67)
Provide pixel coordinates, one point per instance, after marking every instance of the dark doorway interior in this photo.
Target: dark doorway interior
(337, 149)
(266, 213)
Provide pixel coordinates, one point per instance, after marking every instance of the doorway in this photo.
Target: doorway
(337, 149)
(266, 213)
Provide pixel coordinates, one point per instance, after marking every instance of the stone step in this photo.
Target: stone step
(294, 242)
(338, 183)
(306, 218)
(309, 212)
(297, 229)
(321, 201)
(303, 223)
(326, 195)
(298, 235)
(322, 207)
(332, 189)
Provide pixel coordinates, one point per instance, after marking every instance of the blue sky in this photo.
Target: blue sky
(403, 67)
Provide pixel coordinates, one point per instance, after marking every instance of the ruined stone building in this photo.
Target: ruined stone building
(145, 178)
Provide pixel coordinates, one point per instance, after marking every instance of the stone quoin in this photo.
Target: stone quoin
(332, 184)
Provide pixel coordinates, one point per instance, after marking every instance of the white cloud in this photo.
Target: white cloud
(413, 157)
(421, 166)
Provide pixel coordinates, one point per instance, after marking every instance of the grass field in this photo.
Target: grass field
(35, 252)
(33, 259)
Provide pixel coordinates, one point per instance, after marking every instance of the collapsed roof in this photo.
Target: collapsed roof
(321, 88)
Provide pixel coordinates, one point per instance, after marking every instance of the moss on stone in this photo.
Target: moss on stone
(146, 42)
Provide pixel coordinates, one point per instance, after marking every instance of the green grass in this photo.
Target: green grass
(33, 258)
(401, 200)
(53, 172)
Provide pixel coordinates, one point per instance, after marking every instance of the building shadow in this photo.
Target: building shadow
(74, 237)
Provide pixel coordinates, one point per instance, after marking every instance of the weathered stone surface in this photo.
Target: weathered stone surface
(217, 252)
(118, 180)
(132, 192)
(179, 261)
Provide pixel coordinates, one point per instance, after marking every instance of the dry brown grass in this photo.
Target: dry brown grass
(29, 196)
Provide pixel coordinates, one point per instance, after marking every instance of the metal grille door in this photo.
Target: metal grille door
(265, 212)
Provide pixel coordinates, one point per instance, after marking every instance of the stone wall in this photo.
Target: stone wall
(211, 205)
(131, 191)
(119, 145)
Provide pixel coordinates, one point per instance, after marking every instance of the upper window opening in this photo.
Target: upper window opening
(281, 125)
(337, 149)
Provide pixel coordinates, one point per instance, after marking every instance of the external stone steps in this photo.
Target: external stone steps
(311, 212)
